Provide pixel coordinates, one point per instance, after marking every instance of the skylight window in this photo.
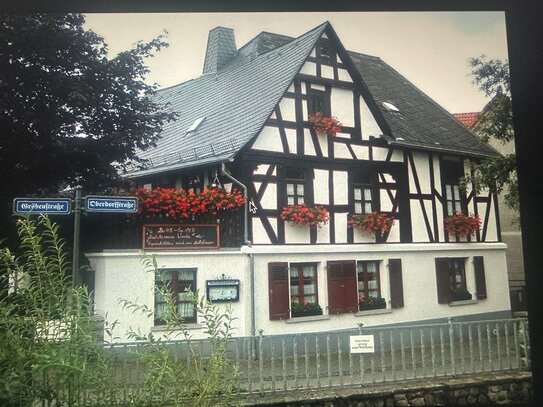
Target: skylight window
(195, 125)
(391, 107)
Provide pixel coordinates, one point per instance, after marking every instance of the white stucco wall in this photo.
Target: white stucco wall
(119, 274)
(419, 281)
(321, 194)
(367, 121)
(288, 109)
(268, 140)
(341, 102)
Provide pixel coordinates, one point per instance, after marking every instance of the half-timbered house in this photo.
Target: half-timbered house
(244, 124)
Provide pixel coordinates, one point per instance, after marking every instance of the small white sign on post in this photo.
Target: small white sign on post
(362, 344)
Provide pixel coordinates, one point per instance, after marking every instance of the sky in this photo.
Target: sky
(430, 49)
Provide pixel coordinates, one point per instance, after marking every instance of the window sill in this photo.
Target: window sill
(373, 312)
(162, 328)
(464, 302)
(306, 319)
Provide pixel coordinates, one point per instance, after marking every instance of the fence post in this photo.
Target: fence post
(451, 342)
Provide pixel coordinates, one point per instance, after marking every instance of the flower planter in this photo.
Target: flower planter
(307, 313)
(371, 303)
(462, 225)
(324, 124)
(304, 215)
(463, 295)
(367, 307)
(374, 223)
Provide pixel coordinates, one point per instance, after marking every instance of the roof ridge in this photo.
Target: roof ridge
(364, 55)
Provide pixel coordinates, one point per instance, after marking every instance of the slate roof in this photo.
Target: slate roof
(237, 99)
(420, 123)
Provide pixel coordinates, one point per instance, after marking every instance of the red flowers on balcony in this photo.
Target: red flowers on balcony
(304, 215)
(324, 124)
(179, 204)
(373, 222)
(461, 224)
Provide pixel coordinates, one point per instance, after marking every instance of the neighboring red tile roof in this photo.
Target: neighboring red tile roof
(468, 119)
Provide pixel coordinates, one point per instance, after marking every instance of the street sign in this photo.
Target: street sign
(53, 206)
(122, 204)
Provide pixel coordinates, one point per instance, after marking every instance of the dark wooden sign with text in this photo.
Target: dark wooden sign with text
(179, 237)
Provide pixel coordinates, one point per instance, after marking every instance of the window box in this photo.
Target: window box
(461, 225)
(305, 215)
(325, 124)
(461, 295)
(372, 303)
(305, 309)
(377, 223)
(308, 313)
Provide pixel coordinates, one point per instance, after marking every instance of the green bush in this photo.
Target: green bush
(51, 355)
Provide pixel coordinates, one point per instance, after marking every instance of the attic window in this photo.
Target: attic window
(391, 107)
(195, 125)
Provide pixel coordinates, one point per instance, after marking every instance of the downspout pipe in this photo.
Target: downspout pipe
(246, 240)
(248, 243)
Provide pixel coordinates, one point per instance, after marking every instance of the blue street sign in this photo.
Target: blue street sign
(123, 204)
(56, 206)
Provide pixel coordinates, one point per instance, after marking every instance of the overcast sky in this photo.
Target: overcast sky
(431, 49)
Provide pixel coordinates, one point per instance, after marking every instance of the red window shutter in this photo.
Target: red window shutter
(278, 291)
(480, 282)
(396, 283)
(443, 281)
(342, 289)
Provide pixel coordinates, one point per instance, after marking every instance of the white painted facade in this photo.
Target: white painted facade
(120, 275)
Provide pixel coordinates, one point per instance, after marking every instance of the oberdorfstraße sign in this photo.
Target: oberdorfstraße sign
(121, 204)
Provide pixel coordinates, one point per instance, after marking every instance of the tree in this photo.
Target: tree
(496, 122)
(68, 113)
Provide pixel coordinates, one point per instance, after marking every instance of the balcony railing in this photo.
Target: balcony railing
(118, 232)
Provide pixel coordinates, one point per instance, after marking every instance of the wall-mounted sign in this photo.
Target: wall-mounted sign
(362, 343)
(222, 290)
(122, 204)
(180, 237)
(53, 206)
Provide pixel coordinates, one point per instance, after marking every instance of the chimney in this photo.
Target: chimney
(221, 48)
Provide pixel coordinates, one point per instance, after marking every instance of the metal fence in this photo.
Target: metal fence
(324, 360)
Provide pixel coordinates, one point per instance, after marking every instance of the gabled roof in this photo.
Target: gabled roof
(420, 123)
(467, 119)
(236, 101)
(238, 98)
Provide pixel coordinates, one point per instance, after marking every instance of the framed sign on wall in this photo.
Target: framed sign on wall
(222, 290)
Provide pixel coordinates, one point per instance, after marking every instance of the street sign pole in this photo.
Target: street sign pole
(77, 227)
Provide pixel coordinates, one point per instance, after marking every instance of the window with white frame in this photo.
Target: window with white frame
(296, 186)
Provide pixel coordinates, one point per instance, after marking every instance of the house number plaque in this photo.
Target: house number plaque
(180, 237)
